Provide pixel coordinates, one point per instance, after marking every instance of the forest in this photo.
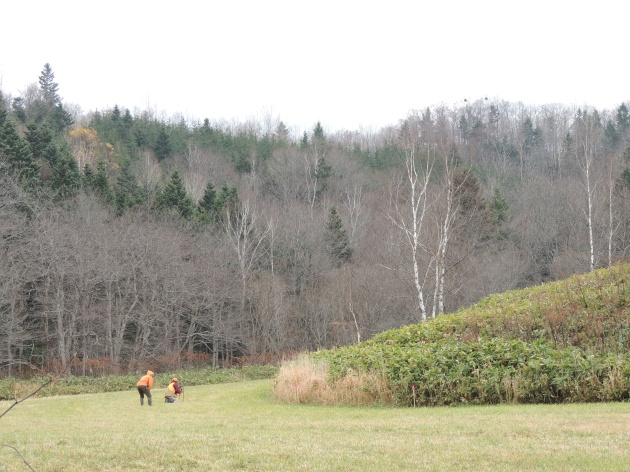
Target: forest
(127, 236)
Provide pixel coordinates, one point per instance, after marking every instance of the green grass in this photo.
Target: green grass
(240, 426)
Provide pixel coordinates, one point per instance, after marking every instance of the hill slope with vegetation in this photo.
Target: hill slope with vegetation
(128, 237)
(565, 341)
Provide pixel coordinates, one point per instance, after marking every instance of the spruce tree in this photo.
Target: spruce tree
(88, 177)
(15, 151)
(337, 241)
(39, 137)
(66, 177)
(51, 153)
(206, 206)
(318, 132)
(163, 145)
(116, 114)
(48, 86)
(226, 200)
(499, 209)
(174, 195)
(100, 183)
(304, 142)
(49, 108)
(128, 193)
(623, 119)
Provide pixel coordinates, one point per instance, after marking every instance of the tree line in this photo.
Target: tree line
(127, 236)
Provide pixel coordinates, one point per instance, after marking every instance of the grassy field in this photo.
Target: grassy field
(239, 426)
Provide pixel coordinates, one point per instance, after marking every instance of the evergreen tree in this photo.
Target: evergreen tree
(613, 136)
(499, 214)
(141, 138)
(115, 114)
(322, 171)
(51, 153)
(264, 149)
(226, 200)
(318, 132)
(100, 183)
(304, 141)
(128, 193)
(624, 179)
(39, 137)
(337, 241)
(468, 193)
(319, 146)
(19, 110)
(128, 119)
(15, 151)
(61, 118)
(66, 177)
(48, 86)
(88, 177)
(163, 147)
(623, 119)
(50, 108)
(174, 195)
(206, 206)
(532, 136)
(499, 207)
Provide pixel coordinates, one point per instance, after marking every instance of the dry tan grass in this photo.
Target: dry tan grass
(304, 380)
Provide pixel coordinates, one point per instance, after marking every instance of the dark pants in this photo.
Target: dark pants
(144, 390)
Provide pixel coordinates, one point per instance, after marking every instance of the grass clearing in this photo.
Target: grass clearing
(240, 426)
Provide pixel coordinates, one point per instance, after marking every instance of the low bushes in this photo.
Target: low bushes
(487, 371)
(13, 389)
(566, 341)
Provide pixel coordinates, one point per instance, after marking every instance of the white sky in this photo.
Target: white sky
(349, 64)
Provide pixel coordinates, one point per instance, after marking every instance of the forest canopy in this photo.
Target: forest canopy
(127, 236)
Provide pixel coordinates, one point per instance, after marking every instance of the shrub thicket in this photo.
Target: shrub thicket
(567, 341)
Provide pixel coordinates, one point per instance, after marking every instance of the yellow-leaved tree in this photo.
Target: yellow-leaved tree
(87, 148)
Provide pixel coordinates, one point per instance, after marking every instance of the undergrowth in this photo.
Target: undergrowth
(566, 341)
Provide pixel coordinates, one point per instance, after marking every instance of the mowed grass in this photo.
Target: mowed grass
(240, 426)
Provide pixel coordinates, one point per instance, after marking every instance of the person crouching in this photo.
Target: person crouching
(173, 391)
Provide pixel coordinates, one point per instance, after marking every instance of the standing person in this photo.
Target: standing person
(145, 384)
(173, 391)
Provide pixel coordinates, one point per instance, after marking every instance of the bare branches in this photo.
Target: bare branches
(16, 402)
(18, 453)
(50, 380)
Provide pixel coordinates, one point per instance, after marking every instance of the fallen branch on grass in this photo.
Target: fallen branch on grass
(51, 379)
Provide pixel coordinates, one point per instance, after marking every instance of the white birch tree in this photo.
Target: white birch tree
(409, 203)
(585, 154)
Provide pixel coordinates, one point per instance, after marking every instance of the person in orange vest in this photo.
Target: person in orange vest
(145, 384)
(172, 391)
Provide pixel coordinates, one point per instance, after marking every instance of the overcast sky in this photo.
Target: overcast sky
(348, 64)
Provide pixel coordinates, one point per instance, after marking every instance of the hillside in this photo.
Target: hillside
(128, 237)
(565, 341)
